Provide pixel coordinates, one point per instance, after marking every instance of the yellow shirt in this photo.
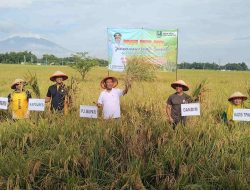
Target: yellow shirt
(19, 105)
(230, 110)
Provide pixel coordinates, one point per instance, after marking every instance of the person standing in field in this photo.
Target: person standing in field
(57, 94)
(19, 100)
(109, 99)
(236, 101)
(174, 101)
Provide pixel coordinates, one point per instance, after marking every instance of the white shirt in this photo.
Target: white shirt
(110, 101)
(118, 59)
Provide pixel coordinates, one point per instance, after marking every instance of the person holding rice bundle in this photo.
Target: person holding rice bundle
(58, 94)
(19, 100)
(174, 101)
(109, 99)
(236, 101)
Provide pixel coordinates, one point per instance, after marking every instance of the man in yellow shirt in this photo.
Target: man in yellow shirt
(19, 100)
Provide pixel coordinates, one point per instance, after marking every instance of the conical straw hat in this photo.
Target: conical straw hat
(103, 85)
(58, 74)
(237, 95)
(17, 81)
(180, 82)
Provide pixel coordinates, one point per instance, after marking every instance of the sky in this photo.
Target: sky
(209, 30)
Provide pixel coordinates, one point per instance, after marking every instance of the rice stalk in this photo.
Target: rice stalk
(32, 82)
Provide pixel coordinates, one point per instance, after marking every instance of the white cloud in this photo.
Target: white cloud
(209, 29)
(15, 3)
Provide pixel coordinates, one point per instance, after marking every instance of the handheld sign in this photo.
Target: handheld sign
(190, 109)
(3, 103)
(241, 115)
(36, 104)
(88, 111)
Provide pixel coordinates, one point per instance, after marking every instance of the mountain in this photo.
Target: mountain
(37, 46)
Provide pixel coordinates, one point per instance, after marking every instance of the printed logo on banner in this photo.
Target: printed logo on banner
(3, 103)
(241, 115)
(159, 34)
(88, 111)
(36, 104)
(190, 109)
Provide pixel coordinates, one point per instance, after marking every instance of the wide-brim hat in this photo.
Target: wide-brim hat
(180, 82)
(103, 85)
(58, 74)
(237, 95)
(17, 81)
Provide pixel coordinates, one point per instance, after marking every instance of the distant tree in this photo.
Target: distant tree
(236, 66)
(102, 62)
(213, 66)
(83, 63)
(244, 66)
(51, 59)
(17, 57)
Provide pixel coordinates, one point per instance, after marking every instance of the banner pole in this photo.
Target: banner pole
(140, 41)
(176, 72)
(108, 49)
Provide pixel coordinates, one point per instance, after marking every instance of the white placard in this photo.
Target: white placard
(88, 111)
(190, 109)
(36, 104)
(241, 115)
(3, 103)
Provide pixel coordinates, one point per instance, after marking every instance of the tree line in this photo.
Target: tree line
(27, 57)
(213, 66)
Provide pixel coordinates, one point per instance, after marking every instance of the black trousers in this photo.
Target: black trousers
(182, 122)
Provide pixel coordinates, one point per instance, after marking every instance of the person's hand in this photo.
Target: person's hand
(97, 104)
(171, 121)
(128, 83)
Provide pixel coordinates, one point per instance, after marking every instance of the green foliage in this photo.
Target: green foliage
(101, 62)
(83, 63)
(140, 69)
(199, 91)
(236, 66)
(51, 60)
(18, 57)
(213, 66)
(47, 59)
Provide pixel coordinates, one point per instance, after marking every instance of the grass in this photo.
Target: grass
(140, 151)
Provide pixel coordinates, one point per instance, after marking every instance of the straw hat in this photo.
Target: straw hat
(237, 95)
(103, 85)
(180, 82)
(17, 81)
(58, 74)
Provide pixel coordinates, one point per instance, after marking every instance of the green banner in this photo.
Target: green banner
(158, 46)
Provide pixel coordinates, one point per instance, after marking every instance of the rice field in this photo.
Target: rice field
(139, 151)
